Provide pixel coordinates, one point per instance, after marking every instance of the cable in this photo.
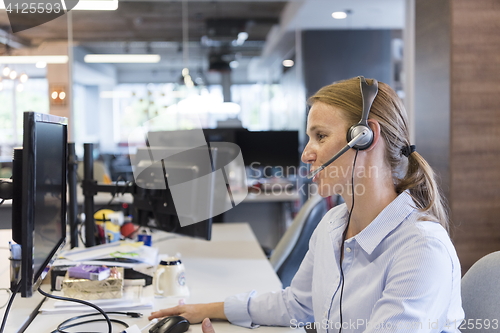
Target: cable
(63, 326)
(344, 234)
(80, 225)
(110, 328)
(113, 194)
(11, 300)
(152, 322)
(61, 329)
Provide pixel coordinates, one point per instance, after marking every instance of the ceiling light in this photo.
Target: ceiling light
(121, 58)
(62, 95)
(339, 15)
(20, 87)
(6, 71)
(288, 63)
(96, 5)
(54, 95)
(23, 77)
(41, 64)
(13, 75)
(55, 59)
(234, 64)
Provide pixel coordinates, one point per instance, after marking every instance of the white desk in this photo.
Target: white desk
(268, 213)
(23, 306)
(231, 263)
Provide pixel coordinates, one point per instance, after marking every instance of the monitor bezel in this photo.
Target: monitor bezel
(30, 280)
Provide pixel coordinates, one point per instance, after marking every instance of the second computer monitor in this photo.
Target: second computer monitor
(155, 204)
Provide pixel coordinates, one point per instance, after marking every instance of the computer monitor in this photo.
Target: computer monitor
(269, 148)
(41, 187)
(154, 201)
(259, 148)
(180, 137)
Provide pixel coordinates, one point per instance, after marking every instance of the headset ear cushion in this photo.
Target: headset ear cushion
(364, 143)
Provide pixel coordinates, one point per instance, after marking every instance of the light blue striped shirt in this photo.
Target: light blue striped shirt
(401, 275)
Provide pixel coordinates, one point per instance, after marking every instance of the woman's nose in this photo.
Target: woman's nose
(308, 156)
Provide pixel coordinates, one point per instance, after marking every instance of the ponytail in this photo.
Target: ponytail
(420, 181)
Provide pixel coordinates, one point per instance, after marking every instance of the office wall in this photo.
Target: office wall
(475, 127)
(332, 55)
(457, 101)
(432, 86)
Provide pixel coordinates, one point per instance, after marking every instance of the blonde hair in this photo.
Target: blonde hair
(411, 173)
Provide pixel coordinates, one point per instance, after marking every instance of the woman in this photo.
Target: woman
(383, 261)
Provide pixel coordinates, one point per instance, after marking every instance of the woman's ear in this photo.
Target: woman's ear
(375, 127)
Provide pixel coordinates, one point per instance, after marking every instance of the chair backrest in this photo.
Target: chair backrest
(481, 295)
(294, 244)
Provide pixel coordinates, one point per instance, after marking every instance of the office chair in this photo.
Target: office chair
(292, 247)
(481, 295)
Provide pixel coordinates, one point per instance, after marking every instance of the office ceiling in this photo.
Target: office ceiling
(162, 21)
(155, 26)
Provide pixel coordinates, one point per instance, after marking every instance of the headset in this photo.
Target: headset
(360, 135)
(368, 94)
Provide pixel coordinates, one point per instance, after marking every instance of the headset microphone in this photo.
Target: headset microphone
(348, 146)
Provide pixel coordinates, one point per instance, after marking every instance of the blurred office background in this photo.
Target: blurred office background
(251, 65)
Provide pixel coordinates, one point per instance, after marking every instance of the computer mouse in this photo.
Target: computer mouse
(172, 324)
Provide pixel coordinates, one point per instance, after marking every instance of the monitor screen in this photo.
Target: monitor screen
(180, 137)
(43, 206)
(269, 148)
(259, 148)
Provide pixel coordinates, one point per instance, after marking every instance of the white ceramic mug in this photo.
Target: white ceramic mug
(170, 278)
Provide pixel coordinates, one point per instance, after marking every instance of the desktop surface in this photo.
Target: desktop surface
(232, 262)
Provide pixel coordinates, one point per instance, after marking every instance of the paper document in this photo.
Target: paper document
(133, 298)
(119, 252)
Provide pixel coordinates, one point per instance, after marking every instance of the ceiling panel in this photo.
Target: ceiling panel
(157, 21)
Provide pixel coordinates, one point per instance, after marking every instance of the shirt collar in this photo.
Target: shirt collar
(339, 217)
(388, 219)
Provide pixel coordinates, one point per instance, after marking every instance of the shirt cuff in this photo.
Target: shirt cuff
(236, 310)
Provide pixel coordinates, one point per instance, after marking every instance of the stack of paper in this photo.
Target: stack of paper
(124, 254)
(133, 298)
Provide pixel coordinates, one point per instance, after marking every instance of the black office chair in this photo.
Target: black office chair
(292, 247)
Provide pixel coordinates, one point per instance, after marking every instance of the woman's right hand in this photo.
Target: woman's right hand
(195, 313)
